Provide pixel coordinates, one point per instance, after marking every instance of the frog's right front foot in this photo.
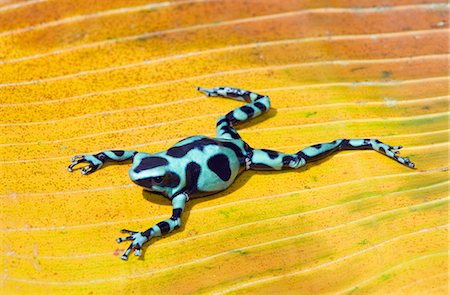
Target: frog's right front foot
(94, 163)
(138, 240)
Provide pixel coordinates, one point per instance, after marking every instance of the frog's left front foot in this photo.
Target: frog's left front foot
(94, 163)
(138, 240)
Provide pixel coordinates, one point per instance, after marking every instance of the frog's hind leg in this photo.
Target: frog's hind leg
(262, 159)
(256, 105)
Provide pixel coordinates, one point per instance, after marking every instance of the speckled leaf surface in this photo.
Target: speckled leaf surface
(84, 76)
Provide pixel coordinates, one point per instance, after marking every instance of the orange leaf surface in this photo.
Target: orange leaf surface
(84, 76)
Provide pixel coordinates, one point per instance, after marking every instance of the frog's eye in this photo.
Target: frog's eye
(158, 179)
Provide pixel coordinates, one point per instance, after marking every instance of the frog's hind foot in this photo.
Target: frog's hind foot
(207, 91)
(392, 152)
(256, 105)
(364, 144)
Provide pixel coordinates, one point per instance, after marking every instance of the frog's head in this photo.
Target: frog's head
(153, 173)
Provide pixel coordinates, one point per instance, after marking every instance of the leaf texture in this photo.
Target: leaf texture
(84, 76)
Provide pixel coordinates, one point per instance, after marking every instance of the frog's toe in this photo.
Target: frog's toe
(405, 161)
(120, 240)
(127, 231)
(408, 163)
(89, 169)
(204, 90)
(125, 255)
(78, 158)
(129, 238)
(207, 92)
(127, 252)
(75, 161)
(395, 148)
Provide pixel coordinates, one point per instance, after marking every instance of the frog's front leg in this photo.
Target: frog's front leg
(96, 161)
(166, 226)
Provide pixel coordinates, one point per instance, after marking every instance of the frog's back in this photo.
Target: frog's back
(212, 163)
(190, 145)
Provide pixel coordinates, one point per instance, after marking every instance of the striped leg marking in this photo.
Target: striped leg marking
(96, 161)
(320, 151)
(263, 159)
(166, 226)
(256, 105)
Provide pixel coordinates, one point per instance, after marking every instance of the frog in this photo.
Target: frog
(200, 166)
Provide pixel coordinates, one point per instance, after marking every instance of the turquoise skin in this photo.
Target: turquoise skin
(199, 166)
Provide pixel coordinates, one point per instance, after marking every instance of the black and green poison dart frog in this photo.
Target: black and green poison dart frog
(198, 166)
